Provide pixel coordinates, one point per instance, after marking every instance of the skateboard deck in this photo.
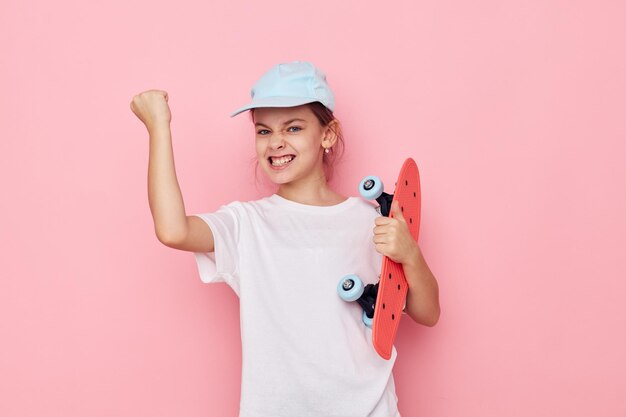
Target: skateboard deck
(393, 286)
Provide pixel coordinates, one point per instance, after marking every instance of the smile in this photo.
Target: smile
(281, 161)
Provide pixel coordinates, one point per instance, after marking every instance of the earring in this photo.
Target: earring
(327, 150)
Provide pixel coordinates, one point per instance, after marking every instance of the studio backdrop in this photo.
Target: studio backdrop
(513, 111)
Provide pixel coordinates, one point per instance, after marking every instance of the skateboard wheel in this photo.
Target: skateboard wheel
(350, 288)
(371, 187)
(367, 321)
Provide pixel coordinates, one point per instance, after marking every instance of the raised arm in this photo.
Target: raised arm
(172, 226)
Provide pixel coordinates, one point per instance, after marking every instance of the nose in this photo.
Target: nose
(277, 141)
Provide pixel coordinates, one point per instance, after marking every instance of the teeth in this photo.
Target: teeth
(281, 161)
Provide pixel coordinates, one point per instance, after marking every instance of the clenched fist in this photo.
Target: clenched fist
(152, 109)
(393, 238)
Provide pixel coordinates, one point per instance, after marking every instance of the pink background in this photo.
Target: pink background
(513, 110)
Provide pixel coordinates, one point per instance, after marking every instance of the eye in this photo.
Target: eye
(294, 127)
(260, 132)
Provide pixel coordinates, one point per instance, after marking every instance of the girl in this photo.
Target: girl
(305, 351)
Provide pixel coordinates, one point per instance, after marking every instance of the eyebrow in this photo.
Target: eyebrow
(284, 124)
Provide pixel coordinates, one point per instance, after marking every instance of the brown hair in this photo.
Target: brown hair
(325, 116)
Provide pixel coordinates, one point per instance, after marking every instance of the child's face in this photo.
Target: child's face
(289, 143)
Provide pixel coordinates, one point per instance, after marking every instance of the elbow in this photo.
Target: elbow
(168, 238)
(432, 319)
(427, 315)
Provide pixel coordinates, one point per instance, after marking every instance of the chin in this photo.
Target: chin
(277, 178)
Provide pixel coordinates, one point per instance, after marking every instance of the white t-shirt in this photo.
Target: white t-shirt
(306, 352)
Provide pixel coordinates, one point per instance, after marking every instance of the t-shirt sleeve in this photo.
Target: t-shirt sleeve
(221, 265)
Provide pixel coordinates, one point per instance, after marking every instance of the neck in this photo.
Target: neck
(314, 191)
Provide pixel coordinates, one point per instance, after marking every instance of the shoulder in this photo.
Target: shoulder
(247, 208)
(365, 207)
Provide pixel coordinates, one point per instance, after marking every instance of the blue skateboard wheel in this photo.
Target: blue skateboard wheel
(371, 187)
(350, 288)
(367, 321)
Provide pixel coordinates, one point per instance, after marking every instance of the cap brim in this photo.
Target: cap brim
(275, 102)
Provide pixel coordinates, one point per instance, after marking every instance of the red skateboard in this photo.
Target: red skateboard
(384, 301)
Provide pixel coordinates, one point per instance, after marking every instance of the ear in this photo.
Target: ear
(330, 133)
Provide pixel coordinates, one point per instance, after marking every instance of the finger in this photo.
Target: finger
(389, 223)
(380, 248)
(386, 250)
(379, 239)
(382, 220)
(395, 209)
(382, 230)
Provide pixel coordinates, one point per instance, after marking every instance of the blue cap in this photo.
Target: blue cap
(288, 85)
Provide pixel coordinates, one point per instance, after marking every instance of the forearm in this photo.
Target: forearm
(422, 301)
(164, 195)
